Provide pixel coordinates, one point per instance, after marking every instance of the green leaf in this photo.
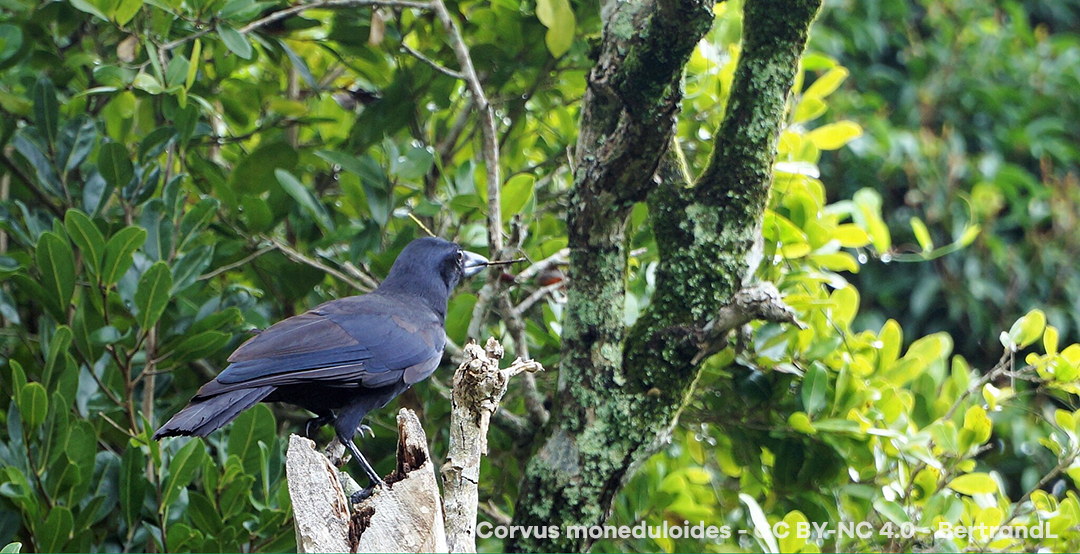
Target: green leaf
(1028, 329)
(516, 194)
(12, 548)
(976, 421)
(827, 83)
(87, 237)
(18, 375)
(188, 268)
(891, 510)
(132, 484)
(56, 261)
(118, 253)
(252, 426)
(126, 10)
(254, 173)
(973, 483)
(193, 63)
(834, 136)
(182, 468)
(558, 17)
(195, 219)
(815, 388)
(114, 164)
(59, 345)
(197, 346)
(46, 110)
(801, 423)
(922, 234)
(152, 296)
(33, 404)
(155, 142)
(414, 165)
(238, 44)
(84, 135)
(303, 196)
(55, 531)
(793, 542)
(372, 178)
(11, 41)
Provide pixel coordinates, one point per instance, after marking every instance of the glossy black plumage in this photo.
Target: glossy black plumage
(346, 357)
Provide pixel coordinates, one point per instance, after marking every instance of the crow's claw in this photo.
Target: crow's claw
(361, 495)
(312, 426)
(365, 429)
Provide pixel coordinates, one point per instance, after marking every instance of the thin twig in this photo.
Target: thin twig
(296, 256)
(536, 296)
(234, 265)
(282, 14)
(420, 224)
(434, 64)
(330, 5)
(29, 184)
(487, 124)
(559, 258)
(1003, 365)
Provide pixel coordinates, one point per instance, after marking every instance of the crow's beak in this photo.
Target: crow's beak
(473, 263)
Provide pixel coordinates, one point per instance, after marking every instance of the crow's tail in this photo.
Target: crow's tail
(204, 416)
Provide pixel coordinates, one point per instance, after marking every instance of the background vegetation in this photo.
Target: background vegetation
(176, 173)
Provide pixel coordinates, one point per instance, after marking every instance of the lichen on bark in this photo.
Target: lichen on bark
(620, 389)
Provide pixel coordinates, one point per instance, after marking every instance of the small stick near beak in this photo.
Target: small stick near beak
(505, 262)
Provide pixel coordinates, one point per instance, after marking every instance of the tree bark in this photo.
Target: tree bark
(620, 391)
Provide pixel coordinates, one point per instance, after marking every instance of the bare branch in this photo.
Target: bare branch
(296, 256)
(1003, 366)
(434, 64)
(330, 5)
(246, 260)
(559, 258)
(761, 301)
(536, 296)
(487, 124)
(299, 8)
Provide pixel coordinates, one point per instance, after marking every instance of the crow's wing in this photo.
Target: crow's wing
(368, 341)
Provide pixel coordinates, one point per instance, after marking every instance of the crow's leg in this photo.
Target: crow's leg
(374, 477)
(313, 425)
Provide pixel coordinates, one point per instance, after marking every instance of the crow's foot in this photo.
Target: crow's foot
(312, 426)
(361, 495)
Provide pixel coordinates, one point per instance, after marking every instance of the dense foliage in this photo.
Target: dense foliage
(179, 172)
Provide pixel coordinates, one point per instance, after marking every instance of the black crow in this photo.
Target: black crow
(346, 357)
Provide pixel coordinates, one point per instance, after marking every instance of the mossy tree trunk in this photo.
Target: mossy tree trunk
(620, 389)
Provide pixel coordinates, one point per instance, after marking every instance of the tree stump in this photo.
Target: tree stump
(407, 515)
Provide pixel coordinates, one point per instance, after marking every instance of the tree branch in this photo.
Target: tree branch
(434, 64)
(487, 124)
(297, 256)
(330, 5)
(31, 186)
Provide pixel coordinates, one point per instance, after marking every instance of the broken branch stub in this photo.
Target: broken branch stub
(479, 386)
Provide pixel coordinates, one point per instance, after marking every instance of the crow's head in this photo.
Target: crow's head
(431, 267)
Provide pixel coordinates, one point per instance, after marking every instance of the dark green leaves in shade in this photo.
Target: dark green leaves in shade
(56, 261)
(152, 296)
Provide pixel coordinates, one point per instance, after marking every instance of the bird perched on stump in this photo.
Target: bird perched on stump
(346, 357)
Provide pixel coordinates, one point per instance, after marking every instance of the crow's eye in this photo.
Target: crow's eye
(460, 257)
